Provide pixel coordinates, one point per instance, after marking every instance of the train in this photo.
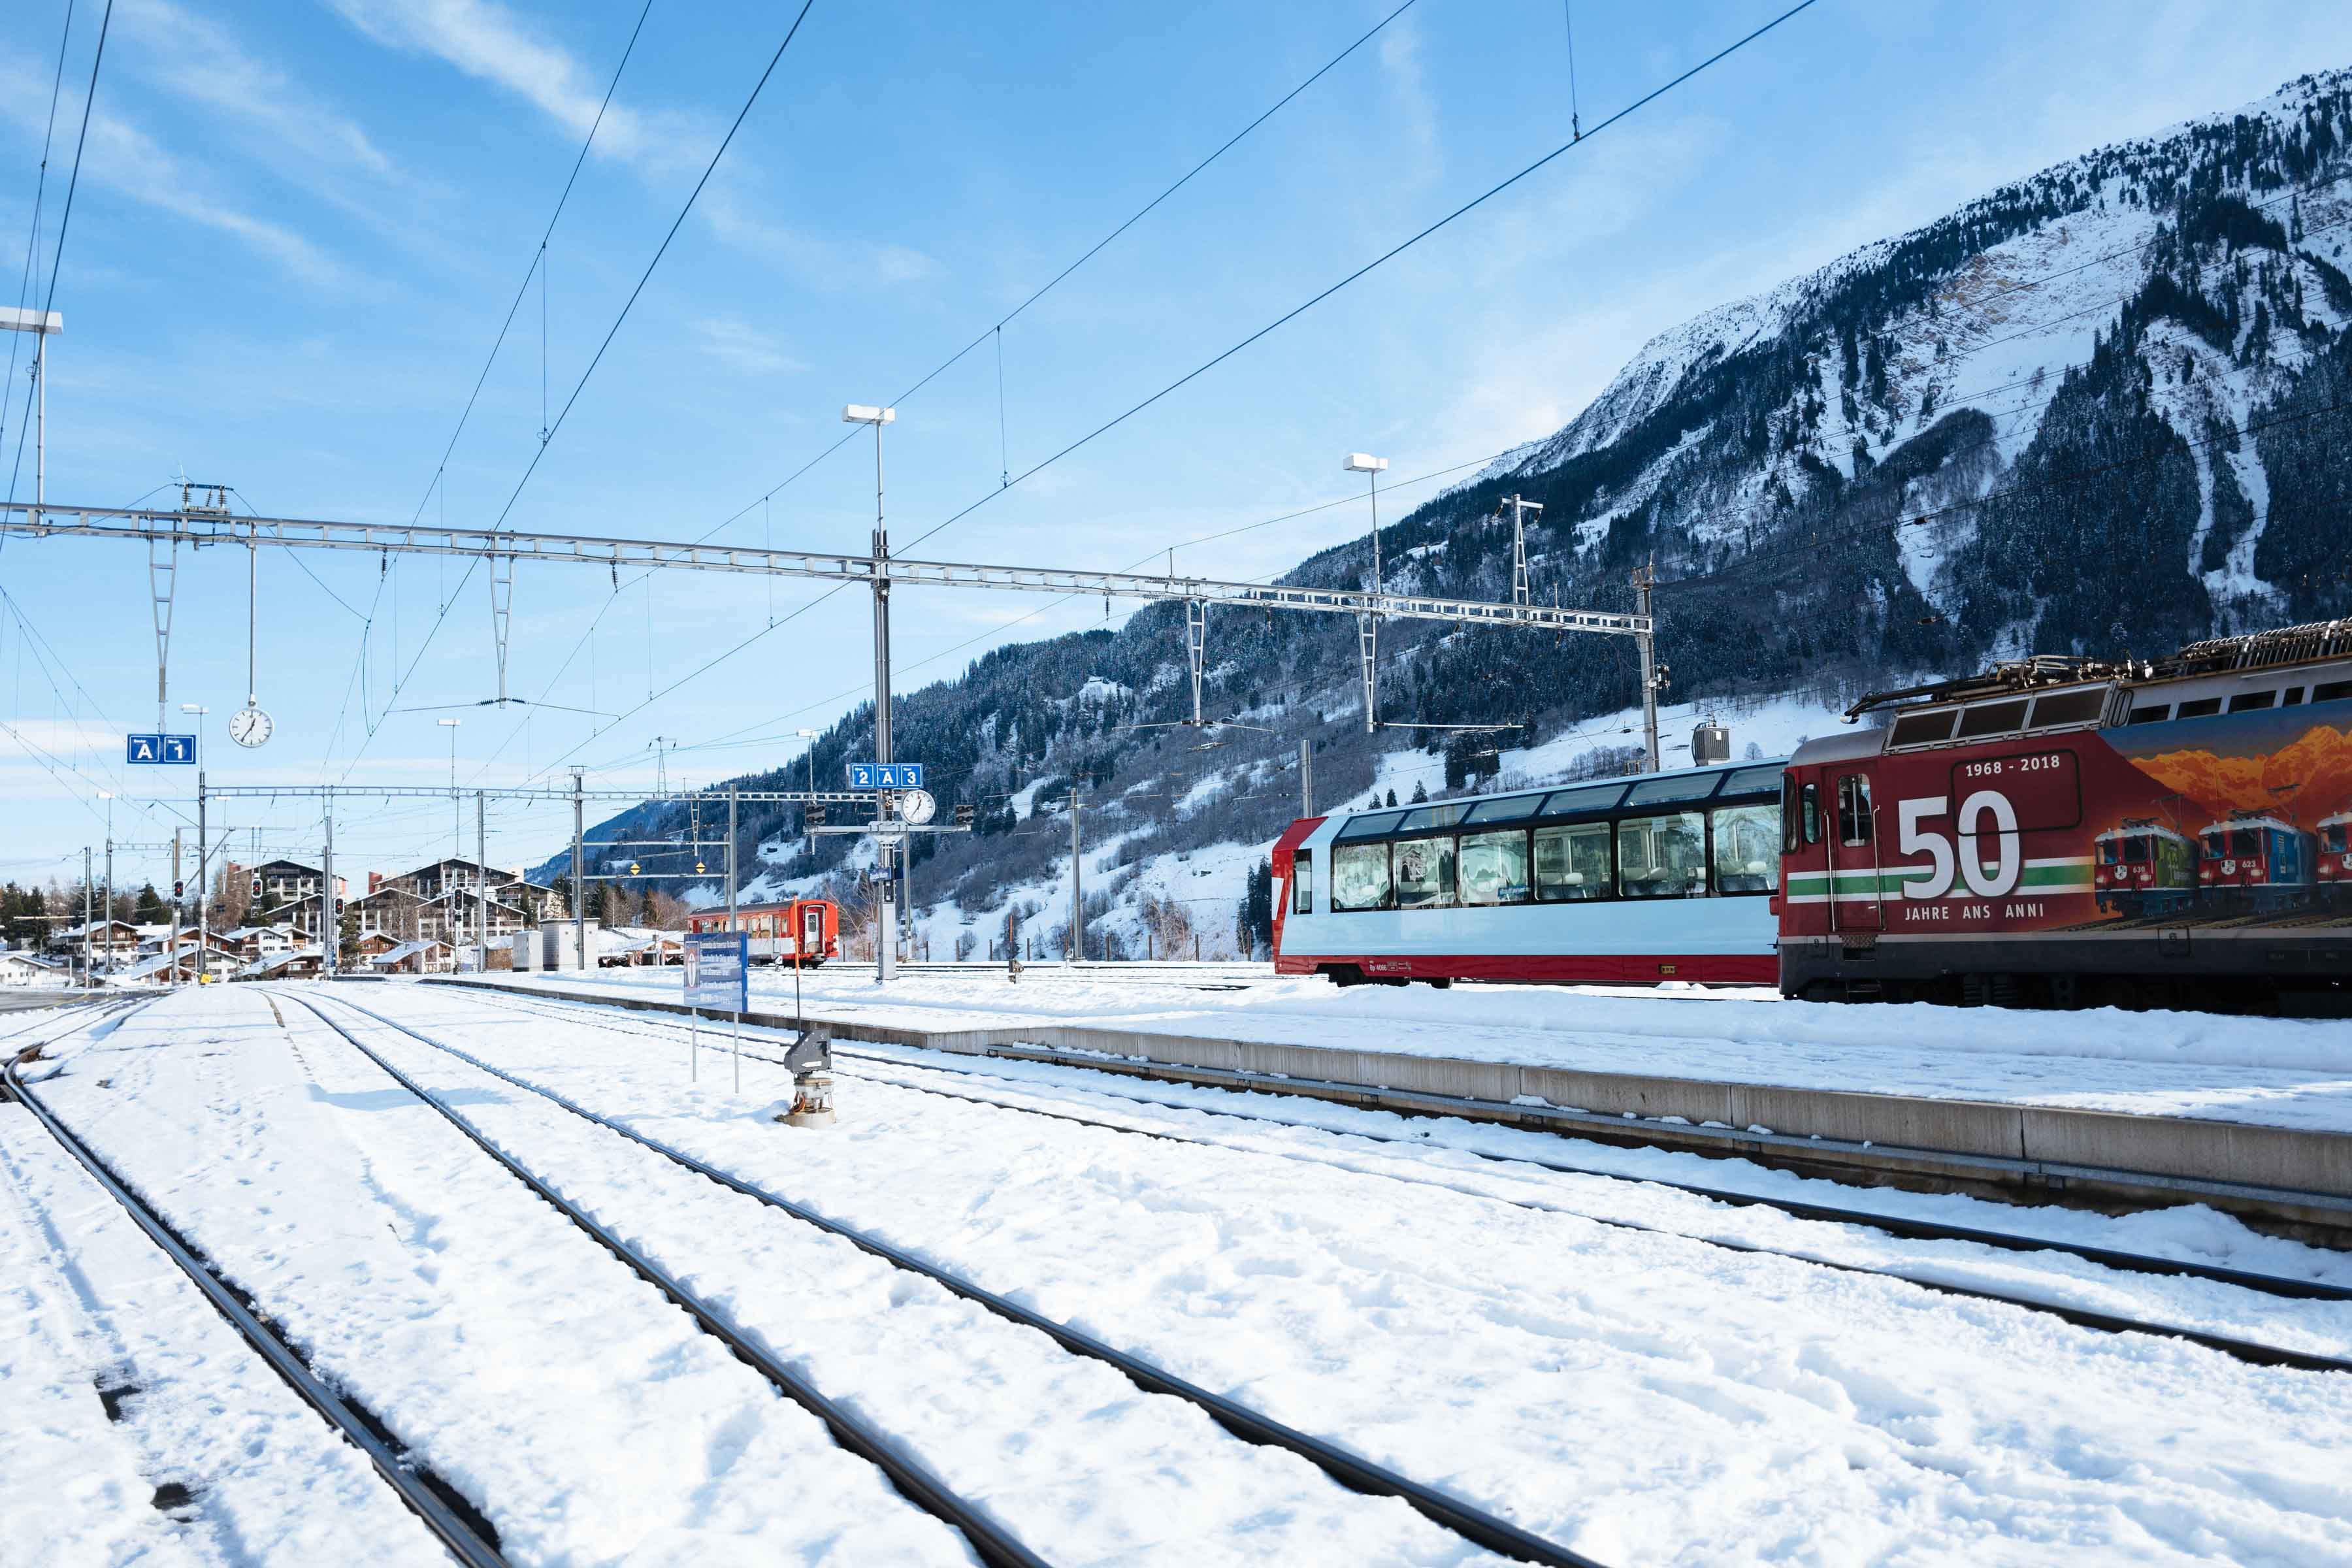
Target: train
(806, 931)
(2055, 831)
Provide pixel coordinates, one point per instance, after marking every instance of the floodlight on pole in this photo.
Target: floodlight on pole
(1367, 623)
(44, 325)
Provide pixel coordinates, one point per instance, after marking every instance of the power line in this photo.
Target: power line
(598, 358)
(65, 220)
(1378, 261)
(33, 233)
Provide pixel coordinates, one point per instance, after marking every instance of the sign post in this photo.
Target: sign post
(716, 977)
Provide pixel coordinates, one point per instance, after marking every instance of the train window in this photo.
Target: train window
(2154, 713)
(2331, 691)
(1572, 862)
(1430, 816)
(1493, 868)
(2291, 696)
(1577, 802)
(1765, 780)
(1423, 872)
(2247, 702)
(1791, 814)
(2332, 835)
(1660, 792)
(1662, 857)
(1504, 808)
(1371, 826)
(1992, 718)
(2079, 707)
(1924, 729)
(1302, 881)
(1359, 876)
(2199, 707)
(1853, 810)
(1743, 861)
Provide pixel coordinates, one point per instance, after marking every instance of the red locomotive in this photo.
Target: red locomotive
(2059, 830)
(805, 931)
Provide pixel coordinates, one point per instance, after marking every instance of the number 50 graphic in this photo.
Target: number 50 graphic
(1966, 862)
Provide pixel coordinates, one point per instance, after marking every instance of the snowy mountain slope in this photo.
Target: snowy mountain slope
(2099, 408)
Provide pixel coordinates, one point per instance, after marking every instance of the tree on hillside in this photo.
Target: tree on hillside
(149, 909)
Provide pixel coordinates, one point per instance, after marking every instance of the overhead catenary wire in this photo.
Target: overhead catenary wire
(1377, 262)
(596, 359)
(996, 330)
(33, 229)
(65, 220)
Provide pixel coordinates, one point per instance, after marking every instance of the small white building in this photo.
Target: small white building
(29, 969)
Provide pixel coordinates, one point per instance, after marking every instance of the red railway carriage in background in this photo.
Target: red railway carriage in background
(803, 931)
(2059, 830)
(2335, 868)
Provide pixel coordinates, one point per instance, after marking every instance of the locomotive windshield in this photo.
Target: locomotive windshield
(2333, 836)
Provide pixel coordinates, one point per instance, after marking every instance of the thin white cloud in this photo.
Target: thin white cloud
(491, 43)
(123, 158)
(739, 345)
(833, 266)
(196, 59)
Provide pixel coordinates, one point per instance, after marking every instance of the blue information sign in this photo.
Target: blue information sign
(885, 775)
(159, 748)
(716, 975)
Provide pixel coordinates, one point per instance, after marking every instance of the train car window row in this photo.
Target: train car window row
(1728, 851)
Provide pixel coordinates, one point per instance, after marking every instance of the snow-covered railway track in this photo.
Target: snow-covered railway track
(989, 1540)
(1472, 1525)
(445, 1512)
(1900, 1228)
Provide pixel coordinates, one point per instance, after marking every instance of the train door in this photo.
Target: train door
(1854, 903)
(812, 937)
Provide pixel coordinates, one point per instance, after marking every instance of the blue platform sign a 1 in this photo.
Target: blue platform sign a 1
(159, 748)
(885, 775)
(716, 975)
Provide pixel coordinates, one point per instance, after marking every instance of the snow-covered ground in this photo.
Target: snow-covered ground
(2276, 1071)
(1638, 1397)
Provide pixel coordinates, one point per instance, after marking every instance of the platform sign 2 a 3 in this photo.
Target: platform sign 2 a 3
(885, 775)
(717, 972)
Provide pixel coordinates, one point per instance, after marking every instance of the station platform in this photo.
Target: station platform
(2105, 1109)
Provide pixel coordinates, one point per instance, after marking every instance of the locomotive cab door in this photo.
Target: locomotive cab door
(1854, 903)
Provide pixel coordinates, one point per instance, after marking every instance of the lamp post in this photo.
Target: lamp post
(43, 325)
(456, 830)
(105, 904)
(886, 921)
(1368, 624)
(204, 887)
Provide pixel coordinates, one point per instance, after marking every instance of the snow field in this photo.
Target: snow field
(585, 1415)
(1637, 1397)
(2322, 1328)
(95, 1305)
(1073, 1459)
(2276, 1071)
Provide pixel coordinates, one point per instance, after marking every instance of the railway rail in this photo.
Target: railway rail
(989, 1540)
(1472, 1523)
(453, 1522)
(2252, 1351)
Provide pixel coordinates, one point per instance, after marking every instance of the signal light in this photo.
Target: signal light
(816, 817)
(257, 884)
(963, 817)
(179, 890)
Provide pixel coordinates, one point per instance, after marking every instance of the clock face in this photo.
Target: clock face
(916, 805)
(249, 727)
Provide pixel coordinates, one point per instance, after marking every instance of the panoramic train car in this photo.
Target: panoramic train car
(806, 931)
(1629, 880)
(2017, 835)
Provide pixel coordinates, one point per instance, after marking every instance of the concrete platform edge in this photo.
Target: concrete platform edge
(2301, 1177)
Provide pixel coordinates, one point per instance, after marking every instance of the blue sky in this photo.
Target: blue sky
(299, 227)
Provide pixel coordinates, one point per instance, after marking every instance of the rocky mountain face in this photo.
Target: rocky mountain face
(2098, 410)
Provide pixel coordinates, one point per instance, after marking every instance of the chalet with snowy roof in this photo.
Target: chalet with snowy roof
(30, 969)
(412, 958)
(108, 939)
(302, 964)
(253, 943)
(285, 882)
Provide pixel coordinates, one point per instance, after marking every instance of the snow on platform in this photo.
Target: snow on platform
(2276, 1072)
